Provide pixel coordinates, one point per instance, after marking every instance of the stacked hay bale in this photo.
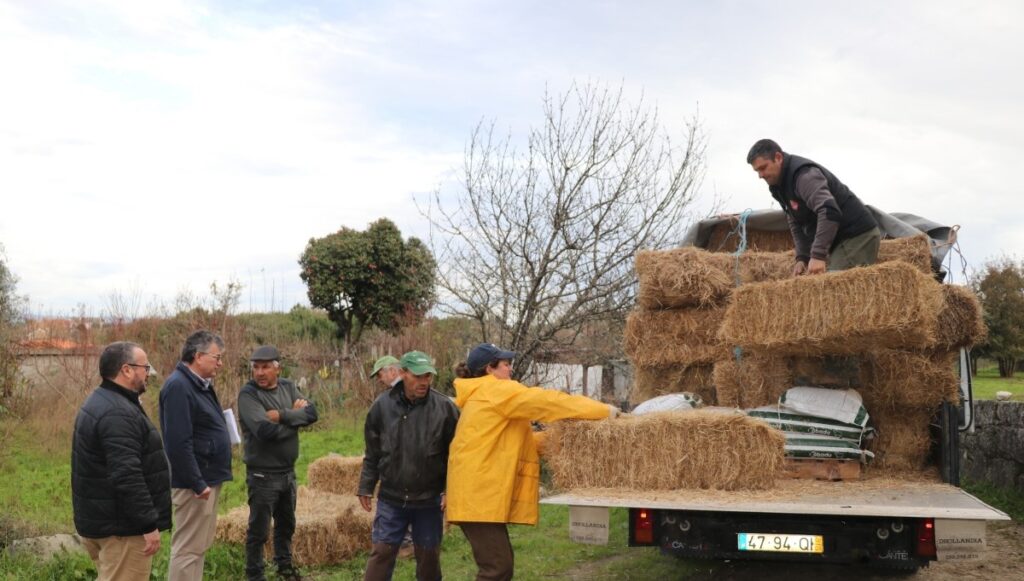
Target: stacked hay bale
(329, 528)
(892, 333)
(894, 329)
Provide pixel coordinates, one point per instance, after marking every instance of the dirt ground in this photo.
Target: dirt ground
(1004, 560)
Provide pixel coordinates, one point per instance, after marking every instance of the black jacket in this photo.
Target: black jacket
(120, 480)
(407, 447)
(195, 433)
(845, 208)
(269, 446)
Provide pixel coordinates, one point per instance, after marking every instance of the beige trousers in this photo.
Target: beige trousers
(195, 523)
(119, 558)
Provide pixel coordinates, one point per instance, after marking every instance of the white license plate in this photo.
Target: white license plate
(779, 543)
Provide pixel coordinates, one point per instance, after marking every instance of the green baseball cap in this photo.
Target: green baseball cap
(417, 363)
(381, 364)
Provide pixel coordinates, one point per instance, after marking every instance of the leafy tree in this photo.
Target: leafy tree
(369, 279)
(11, 306)
(1001, 290)
(537, 245)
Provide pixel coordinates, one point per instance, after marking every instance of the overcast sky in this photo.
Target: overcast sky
(151, 148)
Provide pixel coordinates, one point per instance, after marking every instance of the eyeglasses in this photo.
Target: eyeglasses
(149, 368)
(218, 356)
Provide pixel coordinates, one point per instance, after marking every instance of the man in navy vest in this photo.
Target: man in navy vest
(831, 227)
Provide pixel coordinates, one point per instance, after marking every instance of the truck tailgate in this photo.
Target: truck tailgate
(884, 498)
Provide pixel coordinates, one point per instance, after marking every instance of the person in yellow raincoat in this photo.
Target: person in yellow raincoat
(493, 464)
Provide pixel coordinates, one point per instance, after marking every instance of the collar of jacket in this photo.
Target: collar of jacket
(120, 390)
(195, 379)
(398, 392)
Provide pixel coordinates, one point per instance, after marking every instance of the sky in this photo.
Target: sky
(149, 149)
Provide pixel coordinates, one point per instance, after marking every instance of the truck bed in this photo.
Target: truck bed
(884, 497)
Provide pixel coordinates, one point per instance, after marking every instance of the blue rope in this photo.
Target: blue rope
(741, 230)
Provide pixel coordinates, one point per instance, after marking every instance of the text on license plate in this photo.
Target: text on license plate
(780, 543)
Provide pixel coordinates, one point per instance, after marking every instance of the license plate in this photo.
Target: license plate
(780, 543)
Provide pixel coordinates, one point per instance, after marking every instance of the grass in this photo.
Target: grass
(987, 382)
(35, 499)
(1007, 500)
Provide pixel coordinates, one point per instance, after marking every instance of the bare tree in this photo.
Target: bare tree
(537, 245)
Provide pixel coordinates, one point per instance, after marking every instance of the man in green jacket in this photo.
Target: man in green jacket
(271, 410)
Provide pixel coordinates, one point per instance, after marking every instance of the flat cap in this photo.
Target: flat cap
(266, 353)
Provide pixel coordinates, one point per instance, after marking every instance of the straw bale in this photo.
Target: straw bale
(914, 250)
(335, 473)
(895, 380)
(838, 372)
(961, 323)
(903, 440)
(683, 337)
(890, 305)
(692, 277)
(682, 277)
(329, 528)
(649, 382)
(724, 239)
(753, 381)
(666, 451)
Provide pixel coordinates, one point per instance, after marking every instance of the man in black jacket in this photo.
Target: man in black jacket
(408, 430)
(271, 410)
(120, 481)
(830, 225)
(199, 450)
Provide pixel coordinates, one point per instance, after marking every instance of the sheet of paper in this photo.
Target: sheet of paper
(229, 418)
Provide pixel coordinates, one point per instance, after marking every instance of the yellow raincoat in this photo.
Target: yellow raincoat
(493, 466)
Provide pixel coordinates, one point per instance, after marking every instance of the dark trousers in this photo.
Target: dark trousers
(492, 550)
(270, 496)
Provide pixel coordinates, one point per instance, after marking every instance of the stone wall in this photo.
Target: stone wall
(994, 453)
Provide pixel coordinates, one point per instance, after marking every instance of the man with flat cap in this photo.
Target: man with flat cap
(386, 371)
(271, 410)
(408, 430)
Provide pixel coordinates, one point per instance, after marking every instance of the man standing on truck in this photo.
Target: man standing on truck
(830, 225)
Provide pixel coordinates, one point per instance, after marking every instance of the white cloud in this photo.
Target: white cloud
(178, 143)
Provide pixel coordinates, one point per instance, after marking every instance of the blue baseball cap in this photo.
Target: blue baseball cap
(484, 354)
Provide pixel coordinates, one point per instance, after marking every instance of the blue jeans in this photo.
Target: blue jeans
(392, 520)
(389, 527)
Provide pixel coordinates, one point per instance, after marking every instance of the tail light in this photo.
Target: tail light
(643, 527)
(926, 538)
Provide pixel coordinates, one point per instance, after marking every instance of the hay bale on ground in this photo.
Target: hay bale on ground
(683, 337)
(895, 380)
(903, 439)
(666, 451)
(723, 239)
(890, 305)
(652, 381)
(751, 382)
(335, 473)
(961, 323)
(329, 528)
(914, 250)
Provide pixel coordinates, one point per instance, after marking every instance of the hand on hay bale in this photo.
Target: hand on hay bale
(666, 451)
